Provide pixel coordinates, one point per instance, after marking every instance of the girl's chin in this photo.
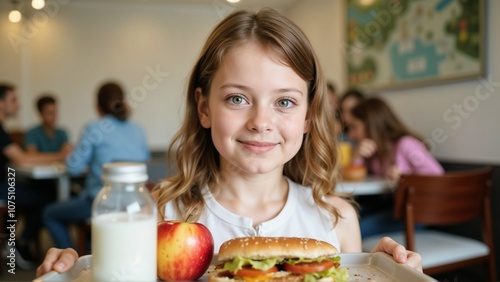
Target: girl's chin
(263, 168)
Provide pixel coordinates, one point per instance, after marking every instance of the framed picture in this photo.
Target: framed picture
(408, 43)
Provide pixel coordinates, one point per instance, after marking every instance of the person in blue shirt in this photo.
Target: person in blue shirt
(46, 137)
(111, 138)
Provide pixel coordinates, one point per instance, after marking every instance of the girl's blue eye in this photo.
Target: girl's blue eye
(284, 103)
(237, 100)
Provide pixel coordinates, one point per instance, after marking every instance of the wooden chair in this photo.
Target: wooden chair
(453, 198)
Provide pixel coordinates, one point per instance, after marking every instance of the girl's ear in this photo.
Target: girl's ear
(202, 107)
(307, 123)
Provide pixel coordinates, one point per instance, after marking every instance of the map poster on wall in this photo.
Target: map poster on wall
(408, 43)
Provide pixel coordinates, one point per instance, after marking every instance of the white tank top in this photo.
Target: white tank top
(300, 217)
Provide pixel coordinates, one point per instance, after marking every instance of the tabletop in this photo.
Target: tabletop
(369, 186)
(42, 171)
(54, 170)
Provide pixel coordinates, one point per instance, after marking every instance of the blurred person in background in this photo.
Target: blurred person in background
(350, 99)
(333, 99)
(46, 137)
(111, 138)
(29, 199)
(389, 149)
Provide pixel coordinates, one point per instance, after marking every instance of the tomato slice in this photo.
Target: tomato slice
(248, 271)
(309, 267)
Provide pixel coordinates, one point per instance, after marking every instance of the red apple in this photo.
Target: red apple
(185, 250)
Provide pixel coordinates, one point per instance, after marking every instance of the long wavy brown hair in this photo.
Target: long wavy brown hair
(382, 126)
(192, 149)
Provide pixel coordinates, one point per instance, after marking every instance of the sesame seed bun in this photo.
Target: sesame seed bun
(275, 247)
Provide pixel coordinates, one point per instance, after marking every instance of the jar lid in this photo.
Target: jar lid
(125, 172)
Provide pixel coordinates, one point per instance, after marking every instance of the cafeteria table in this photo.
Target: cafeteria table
(55, 170)
(371, 185)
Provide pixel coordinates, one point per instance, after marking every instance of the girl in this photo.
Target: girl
(389, 149)
(111, 138)
(350, 98)
(254, 153)
(348, 101)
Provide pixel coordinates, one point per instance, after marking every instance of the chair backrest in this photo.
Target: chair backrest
(455, 197)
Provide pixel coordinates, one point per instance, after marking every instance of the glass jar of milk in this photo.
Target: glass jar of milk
(124, 226)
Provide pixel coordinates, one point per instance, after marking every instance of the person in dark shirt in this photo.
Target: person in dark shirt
(28, 200)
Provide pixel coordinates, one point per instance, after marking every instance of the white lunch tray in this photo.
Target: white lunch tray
(378, 267)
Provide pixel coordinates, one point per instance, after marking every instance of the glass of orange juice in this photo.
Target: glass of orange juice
(345, 151)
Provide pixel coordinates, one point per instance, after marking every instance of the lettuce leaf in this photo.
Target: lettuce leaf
(301, 260)
(238, 263)
(338, 274)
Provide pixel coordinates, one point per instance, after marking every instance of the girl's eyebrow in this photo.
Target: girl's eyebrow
(234, 85)
(243, 87)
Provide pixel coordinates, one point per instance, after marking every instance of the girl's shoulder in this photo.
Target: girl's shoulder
(409, 141)
(346, 209)
(341, 204)
(347, 224)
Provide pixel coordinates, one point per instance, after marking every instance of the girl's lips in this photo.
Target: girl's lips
(258, 147)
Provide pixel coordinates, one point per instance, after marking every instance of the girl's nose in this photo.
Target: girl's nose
(260, 119)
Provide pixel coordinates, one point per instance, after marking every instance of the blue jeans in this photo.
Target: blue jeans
(58, 216)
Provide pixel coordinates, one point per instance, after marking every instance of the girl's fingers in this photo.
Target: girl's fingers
(58, 260)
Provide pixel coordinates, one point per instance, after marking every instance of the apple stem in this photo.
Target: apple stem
(187, 219)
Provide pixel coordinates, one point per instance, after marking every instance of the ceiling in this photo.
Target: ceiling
(255, 4)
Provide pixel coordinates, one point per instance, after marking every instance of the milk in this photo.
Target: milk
(124, 247)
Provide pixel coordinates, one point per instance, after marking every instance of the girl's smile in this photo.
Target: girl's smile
(258, 147)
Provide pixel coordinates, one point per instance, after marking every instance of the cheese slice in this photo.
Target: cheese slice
(257, 278)
(267, 276)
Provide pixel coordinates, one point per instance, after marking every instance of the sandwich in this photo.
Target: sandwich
(279, 259)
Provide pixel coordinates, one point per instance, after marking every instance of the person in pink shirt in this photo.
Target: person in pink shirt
(388, 149)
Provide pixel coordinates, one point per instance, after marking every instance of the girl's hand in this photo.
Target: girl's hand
(393, 172)
(399, 253)
(57, 259)
(366, 148)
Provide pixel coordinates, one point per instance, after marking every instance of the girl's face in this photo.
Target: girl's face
(357, 130)
(257, 111)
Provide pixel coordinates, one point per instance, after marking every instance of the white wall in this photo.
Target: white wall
(10, 60)
(71, 48)
(471, 134)
(320, 20)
